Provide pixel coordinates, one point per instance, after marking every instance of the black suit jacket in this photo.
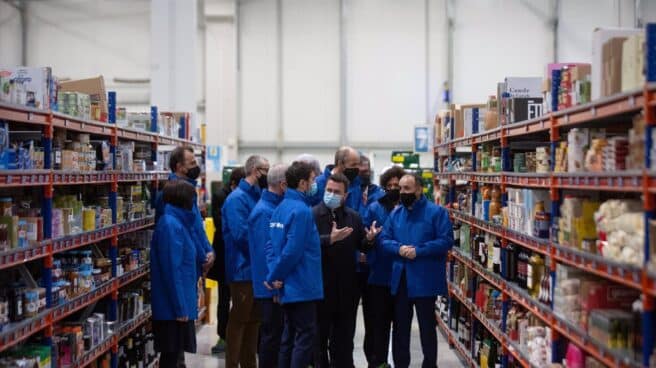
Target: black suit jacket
(217, 272)
(338, 260)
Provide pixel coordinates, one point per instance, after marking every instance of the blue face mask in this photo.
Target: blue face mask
(313, 190)
(332, 200)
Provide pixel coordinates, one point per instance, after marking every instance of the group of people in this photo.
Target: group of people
(298, 250)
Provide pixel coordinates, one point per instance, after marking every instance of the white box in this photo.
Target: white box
(26, 86)
(599, 37)
(527, 87)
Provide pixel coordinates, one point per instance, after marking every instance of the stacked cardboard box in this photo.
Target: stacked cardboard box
(32, 87)
(518, 98)
(600, 36)
(633, 62)
(469, 119)
(612, 66)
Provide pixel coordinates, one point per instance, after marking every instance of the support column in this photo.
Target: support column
(174, 33)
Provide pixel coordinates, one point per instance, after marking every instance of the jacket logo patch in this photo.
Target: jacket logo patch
(276, 225)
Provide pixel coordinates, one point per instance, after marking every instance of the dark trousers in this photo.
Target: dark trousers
(403, 313)
(223, 310)
(336, 332)
(243, 326)
(171, 360)
(270, 333)
(381, 314)
(367, 313)
(299, 336)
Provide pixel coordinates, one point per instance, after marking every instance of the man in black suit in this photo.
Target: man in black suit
(341, 233)
(217, 272)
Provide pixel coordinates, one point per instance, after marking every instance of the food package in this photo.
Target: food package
(26, 86)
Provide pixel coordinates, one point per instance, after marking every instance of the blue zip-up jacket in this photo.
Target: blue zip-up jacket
(234, 218)
(203, 246)
(354, 199)
(379, 261)
(427, 227)
(294, 251)
(258, 236)
(173, 271)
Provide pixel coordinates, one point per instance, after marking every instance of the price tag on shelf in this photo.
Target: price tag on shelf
(634, 181)
(596, 181)
(29, 116)
(620, 181)
(593, 111)
(632, 101)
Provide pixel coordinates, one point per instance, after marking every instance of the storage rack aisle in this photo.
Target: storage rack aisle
(57, 269)
(495, 272)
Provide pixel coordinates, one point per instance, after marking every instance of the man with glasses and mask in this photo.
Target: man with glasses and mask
(183, 165)
(419, 235)
(243, 324)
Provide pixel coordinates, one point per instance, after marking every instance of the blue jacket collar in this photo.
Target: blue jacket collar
(296, 195)
(187, 217)
(419, 204)
(271, 197)
(173, 176)
(252, 190)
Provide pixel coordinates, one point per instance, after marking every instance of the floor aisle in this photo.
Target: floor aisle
(207, 337)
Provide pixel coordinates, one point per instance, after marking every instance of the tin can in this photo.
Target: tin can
(89, 219)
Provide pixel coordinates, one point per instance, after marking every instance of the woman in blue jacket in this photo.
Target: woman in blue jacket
(174, 275)
(379, 313)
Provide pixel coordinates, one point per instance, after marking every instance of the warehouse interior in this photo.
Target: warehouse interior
(281, 78)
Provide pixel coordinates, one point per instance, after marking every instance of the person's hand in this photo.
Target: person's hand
(182, 319)
(373, 231)
(274, 285)
(339, 234)
(407, 251)
(209, 261)
(363, 258)
(365, 197)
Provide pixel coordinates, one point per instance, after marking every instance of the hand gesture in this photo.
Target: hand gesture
(209, 261)
(373, 231)
(339, 234)
(274, 285)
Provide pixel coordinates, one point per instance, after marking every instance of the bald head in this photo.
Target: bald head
(346, 158)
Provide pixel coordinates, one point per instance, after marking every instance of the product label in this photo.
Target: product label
(497, 255)
(529, 276)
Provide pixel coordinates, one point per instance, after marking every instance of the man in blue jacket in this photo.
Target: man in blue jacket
(379, 307)
(266, 300)
(347, 162)
(294, 259)
(419, 235)
(243, 324)
(183, 165)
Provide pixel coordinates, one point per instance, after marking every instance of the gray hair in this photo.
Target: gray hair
(311, 160)
(252, 162)
(277, 174)
(364, 160)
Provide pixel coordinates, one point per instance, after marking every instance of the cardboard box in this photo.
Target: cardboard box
(26, 86)
(94, 87)
(528, 87)
(599, 37)
(469, 118)
(633, 62)
(525, 109)
(612, 64)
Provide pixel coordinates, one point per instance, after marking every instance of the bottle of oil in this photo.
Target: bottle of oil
(534, 274)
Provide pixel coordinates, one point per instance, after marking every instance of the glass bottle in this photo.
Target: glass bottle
(534, 274)
(522, 267)
(496, 256)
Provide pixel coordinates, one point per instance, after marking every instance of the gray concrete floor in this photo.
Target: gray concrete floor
(207, 337)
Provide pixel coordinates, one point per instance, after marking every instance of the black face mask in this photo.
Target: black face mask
(365, 180)
(351, 173)
(408, 199)
(393, 195)
(193, 173)
(262, 182)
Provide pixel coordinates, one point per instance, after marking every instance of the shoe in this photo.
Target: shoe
(219, 347)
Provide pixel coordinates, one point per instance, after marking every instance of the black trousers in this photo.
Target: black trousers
(223, 310)
(271, 328)
(381, 314)
(171, 360)
(403, 313)
(336, 334)
(299, 335)
(367, 313)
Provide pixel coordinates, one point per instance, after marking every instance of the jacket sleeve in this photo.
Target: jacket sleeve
(217, 203)
(293, 249)
(443, 241)
(237, 221)
(390, 244)
(159, 205)
(169, 257)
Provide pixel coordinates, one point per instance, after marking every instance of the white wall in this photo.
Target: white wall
(10, 42)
